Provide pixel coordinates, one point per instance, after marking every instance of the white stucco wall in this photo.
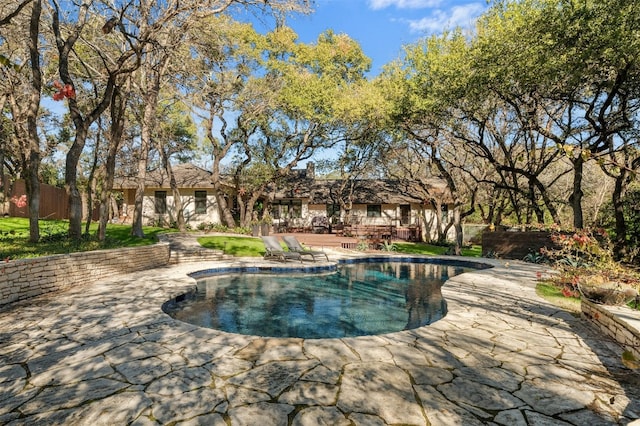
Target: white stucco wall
(188, 200)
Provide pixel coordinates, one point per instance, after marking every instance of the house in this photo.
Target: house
(301, 202)
(305, 203)
(196, 192)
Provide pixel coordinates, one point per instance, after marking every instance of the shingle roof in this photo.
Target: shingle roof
(366, 191)
(316, 191)
(186, 175)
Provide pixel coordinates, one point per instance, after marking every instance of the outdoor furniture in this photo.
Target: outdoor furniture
(320, 224)
(295, 247)
(275, 251)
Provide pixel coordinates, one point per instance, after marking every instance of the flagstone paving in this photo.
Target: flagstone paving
(105, 353)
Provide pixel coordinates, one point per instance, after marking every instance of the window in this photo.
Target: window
(161, 202)
(405, 214)
(445, 213)
(374, 210)
(333, 212)
(286, 209)
(201, 202)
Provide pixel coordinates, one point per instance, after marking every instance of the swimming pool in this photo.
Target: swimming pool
(356, 298)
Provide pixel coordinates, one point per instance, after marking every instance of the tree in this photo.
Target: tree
(177, 136)
(67, 34)
(309, 85)
(573, 59)
(170, 27)
(25, 102)
(226, 54)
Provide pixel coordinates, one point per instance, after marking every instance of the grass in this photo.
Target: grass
(248, 246)
(14, 238)
(236, 246)
(553, 294)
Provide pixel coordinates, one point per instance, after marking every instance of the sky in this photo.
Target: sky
(382, 27)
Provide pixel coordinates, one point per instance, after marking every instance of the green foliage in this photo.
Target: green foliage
(218, 227)
(585, 265)
(388, 246)
(631, 205)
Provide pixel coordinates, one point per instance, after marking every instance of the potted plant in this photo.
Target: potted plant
(266, 223)
(255, 225)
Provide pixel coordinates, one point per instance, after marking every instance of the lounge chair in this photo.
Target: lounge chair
(295, 247)
(275, 251)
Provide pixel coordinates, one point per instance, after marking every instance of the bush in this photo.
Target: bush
(586, 267)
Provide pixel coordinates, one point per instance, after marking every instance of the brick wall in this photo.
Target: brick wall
(25, 278)
(611, 323)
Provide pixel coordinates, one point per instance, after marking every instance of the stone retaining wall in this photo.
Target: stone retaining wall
(25, 278)
(613, 322)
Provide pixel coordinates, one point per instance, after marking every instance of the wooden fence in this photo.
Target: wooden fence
(514, 245)
(53, 201)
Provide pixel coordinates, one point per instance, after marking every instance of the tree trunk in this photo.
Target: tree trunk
(576, 196)
(91, 181)
(32, 185)
(177, 199)
(221, 200)
(118, 107)
(223, 207)
(457, 226)
(147, 125)
(617, 199)
(33, 162)
(71, 183)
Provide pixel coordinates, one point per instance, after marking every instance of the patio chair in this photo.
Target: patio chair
(275, 251)
(295, 247)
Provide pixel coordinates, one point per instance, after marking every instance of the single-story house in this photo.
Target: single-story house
(303, 202)
(299, 203)
(196, 193)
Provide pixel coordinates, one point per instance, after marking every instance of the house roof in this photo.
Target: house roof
(365, 191)
(301, 184)
(186, 175)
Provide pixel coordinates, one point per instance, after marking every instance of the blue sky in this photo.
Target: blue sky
(382, 27)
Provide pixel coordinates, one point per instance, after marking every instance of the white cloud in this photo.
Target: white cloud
(458, 16)
(403, 4)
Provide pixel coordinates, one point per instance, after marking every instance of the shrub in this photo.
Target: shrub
(586, 267)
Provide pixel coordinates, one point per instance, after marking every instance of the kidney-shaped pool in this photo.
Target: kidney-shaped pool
(356, 298)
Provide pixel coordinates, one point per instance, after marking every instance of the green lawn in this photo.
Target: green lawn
(14, 236)
(234, 245)
(248, 246)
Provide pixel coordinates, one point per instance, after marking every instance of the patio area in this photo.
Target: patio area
(105, 353)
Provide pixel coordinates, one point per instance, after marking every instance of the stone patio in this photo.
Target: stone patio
(107, 354)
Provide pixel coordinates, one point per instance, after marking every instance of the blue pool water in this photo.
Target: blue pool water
(354, 300)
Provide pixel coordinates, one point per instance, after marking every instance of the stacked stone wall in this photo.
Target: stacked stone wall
(611, 321)
(26, 278)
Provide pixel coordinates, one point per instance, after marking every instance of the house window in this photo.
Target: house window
(161, 202)
(405, 214)
(333, 212)
(286, 209)
(201, 202)
(374, 210)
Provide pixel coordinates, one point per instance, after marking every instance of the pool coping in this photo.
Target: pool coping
(108, 349)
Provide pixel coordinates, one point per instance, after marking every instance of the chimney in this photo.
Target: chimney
(311, 170)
